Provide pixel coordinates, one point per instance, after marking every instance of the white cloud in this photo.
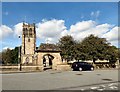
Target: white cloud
(82, 26)
(5, 31)
(101, 29)
(95, 14)
(18, 29)
(82, 29)
(51, 30)
(92, 13)
(112, 36)
(5, 48)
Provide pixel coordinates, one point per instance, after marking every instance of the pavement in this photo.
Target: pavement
(9, 72)
(62, 80)
(30, 71)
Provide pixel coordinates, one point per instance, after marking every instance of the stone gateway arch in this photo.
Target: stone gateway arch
(48, 56)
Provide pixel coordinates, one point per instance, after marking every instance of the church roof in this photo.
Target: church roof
(48, 47)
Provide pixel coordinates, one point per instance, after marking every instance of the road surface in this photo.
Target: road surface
(65, 80)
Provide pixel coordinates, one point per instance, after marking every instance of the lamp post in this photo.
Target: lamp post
(19, 56)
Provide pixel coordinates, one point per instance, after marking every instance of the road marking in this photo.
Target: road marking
(93, 88)
(113, 87)
(82, 89)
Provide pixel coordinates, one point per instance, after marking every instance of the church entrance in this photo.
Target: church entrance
(47, 61)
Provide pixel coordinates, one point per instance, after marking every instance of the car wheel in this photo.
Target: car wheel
(92, 68)
(80, 69)
(73, 69)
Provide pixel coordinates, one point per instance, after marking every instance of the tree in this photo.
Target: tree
(79, 52)
(66, 44)
(90, 48)
(7, 56)
(112, 54)
(1, 58)
(10, 56)
(15, 55)
(95, 48)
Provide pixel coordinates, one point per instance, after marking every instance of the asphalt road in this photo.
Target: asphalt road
(66, 80)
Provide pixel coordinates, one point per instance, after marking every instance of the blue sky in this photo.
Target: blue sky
(71, 14)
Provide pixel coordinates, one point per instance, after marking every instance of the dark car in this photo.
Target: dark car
(82, 66)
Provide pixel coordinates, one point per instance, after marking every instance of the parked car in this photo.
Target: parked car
(82, 66)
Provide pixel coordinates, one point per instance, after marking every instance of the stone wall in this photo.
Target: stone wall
(64, 67)
(24, 68)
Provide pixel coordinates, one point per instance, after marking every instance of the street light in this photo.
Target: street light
(19, 56)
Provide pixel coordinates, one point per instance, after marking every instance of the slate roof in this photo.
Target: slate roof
(48, 47)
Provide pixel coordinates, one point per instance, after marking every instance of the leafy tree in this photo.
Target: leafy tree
(119, 53)
(80, 52)
(66, 44)
(15, 55)
(90, 48)
(112, 54)
(94, 48)
(1, 58)
(7, 56)
(10, 56)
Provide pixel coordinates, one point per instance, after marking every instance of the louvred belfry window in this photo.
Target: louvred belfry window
(30, 32)
(26, 32)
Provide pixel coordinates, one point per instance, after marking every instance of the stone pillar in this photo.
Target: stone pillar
(40, 61)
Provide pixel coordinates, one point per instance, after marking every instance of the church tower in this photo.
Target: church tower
(28, 43)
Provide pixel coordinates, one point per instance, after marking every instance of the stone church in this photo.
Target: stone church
(45, 56)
